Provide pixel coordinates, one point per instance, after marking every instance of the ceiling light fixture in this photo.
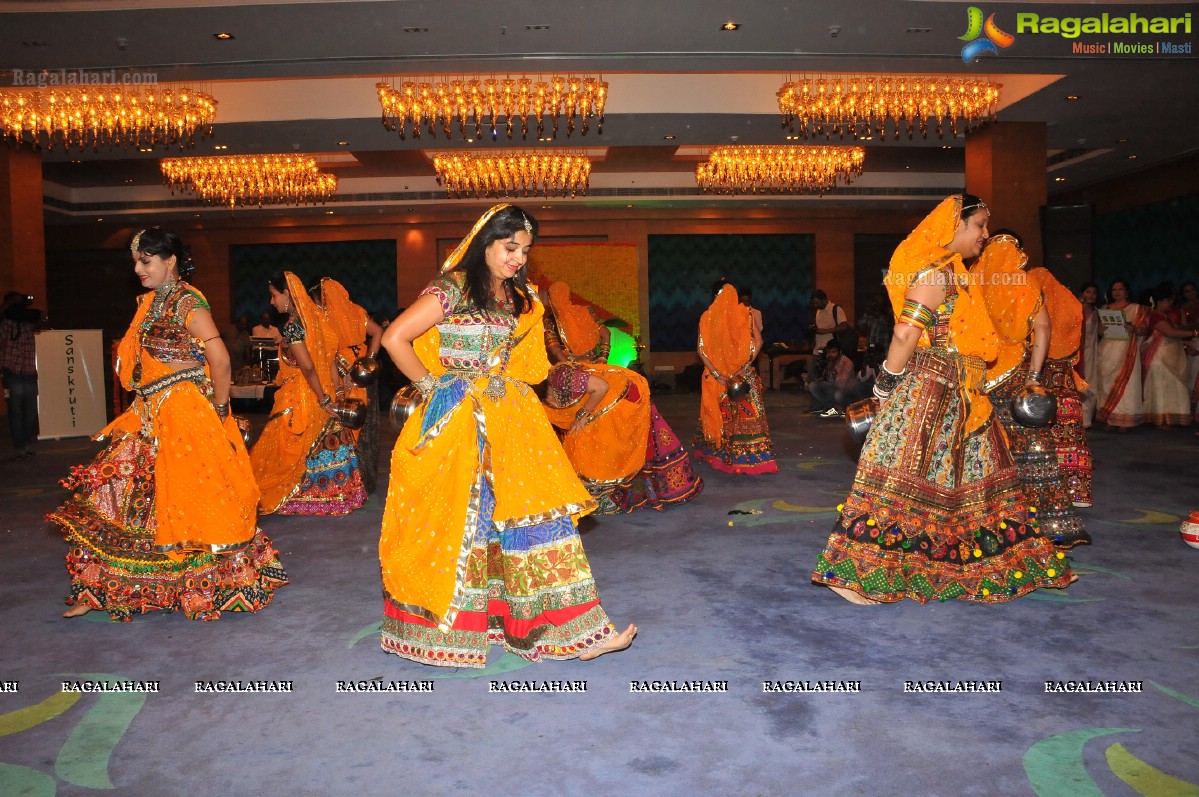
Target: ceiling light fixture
(825, 105)
(478, 101)
(730, 26)
(223, 36)
(111, 116)
(556, 173)
(778, 169)
(243, 180)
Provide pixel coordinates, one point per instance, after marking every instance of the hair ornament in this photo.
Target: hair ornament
(135, 244)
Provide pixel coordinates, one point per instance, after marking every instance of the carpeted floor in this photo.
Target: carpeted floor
(718, 598)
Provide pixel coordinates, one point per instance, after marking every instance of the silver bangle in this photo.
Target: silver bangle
(425, 384)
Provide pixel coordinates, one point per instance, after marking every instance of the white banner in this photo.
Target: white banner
(71, 369)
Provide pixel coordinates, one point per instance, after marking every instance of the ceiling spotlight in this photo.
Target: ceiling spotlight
(223, 36)
(730, 25)
(1071, 97)
(1059, 179)
(1132, 157)
(343, 143)
(668, 138)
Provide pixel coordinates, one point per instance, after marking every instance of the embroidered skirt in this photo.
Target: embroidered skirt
(667, 478)
(936, 513)
(745, 437)
(1069, 432)
(332, 480)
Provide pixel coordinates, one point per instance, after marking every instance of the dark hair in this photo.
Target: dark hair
(718, 286)
(832, 344)
(819, 294)
(1083, 288)
(164, 243)
(1163, 291)
(278, 281)
(315, 291)
(971, 205)
(1182, 289)
(502, 226)
(1013, 233)
(1119, 281)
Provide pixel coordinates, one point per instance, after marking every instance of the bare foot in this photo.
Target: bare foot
(78, 610)
(853, 597)
(616, 643)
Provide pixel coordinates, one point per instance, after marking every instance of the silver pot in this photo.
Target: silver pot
(351, 412)
(1034, 406)
(364, 371)
(243, 426)
(737, 389)
(859, 416)
(403, 404)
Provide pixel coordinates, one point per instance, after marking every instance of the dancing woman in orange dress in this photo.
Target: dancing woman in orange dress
(1061, 375)
(165, 517)
(479, 545)
(936, 511)
(1018, 308)
(358, 336)
(733, 436)
(622, 449)
(304, 460)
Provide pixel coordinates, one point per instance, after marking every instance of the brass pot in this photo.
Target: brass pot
(859, 416)
(351, 412)
(1034, 406)
(364, 371)
(403, 404)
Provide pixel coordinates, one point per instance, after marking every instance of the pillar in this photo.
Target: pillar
(22, 227)
(1005, 165)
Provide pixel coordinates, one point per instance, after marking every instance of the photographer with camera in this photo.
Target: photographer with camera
(18, 324)
(837, 384)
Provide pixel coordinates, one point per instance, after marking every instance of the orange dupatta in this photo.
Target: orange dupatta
(726, 339)
(1012, 299)
(205, 494)
(280, 453)
(433, 498)
(1065, 316)
(971, 332)
(611, 447)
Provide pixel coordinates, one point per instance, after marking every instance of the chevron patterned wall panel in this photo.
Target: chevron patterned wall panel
(779, 269)
(1148, 245)
(366, 268)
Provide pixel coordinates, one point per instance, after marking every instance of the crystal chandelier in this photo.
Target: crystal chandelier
(244, 180)
(558, 173)
(863, 105)
(475, 102)
(106, 115)
(778, 169)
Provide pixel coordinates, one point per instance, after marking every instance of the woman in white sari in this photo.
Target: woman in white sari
(1119, 395)
(1164, 364)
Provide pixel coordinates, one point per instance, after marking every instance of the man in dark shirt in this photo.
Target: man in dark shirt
(18, 323)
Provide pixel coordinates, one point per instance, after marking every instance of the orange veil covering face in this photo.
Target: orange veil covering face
(297, 418)
(576, 326)
(1013, 301)
(348, 322)
(611, 447)
(726, 339)
(206, 497)
(971, 332)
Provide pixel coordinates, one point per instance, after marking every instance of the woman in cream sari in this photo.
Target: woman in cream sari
(1119, 396)
(1164, 365)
